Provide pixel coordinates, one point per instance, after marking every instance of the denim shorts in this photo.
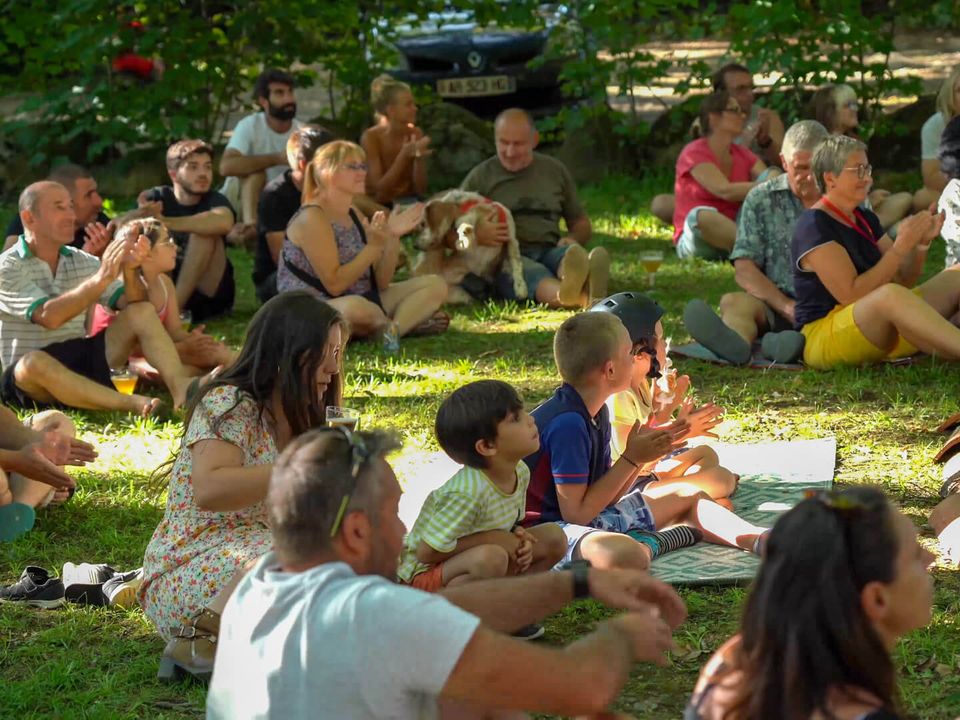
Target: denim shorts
(539, 262)
(691, 243)
(629, 513)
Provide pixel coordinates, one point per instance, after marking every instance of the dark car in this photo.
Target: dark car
(483, 68)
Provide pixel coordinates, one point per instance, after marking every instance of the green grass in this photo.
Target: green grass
(99, 663)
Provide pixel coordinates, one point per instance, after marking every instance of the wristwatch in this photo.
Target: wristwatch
(581, 578)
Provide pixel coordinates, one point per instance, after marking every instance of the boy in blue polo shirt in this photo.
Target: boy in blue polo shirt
(600, 505)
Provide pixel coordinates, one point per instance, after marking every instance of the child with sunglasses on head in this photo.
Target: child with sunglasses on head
(198, 352)
(469, 528)
(654, 395)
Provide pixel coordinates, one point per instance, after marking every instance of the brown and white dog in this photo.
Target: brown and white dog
(450, 220)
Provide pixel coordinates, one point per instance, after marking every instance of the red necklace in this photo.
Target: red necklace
(855, 223)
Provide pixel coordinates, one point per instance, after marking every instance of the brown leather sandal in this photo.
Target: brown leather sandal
(190, 652)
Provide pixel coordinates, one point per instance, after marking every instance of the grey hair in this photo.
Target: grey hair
(309, 482)
(30, 197)
(803, 136)
(831, 156)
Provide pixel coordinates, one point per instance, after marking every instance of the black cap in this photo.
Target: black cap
(638, 313)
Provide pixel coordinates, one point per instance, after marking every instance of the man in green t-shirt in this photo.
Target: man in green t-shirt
(539, 190)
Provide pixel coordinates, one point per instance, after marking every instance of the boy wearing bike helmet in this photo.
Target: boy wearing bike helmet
(654, 394)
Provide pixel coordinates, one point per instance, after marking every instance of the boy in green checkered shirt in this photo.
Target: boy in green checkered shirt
(468, 529)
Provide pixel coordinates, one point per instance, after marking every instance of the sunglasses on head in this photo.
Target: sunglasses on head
(359, 456)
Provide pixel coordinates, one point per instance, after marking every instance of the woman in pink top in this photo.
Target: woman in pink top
(198, 352)
(713, 177)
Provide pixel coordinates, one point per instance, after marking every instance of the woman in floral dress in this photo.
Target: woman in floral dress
(215, 526)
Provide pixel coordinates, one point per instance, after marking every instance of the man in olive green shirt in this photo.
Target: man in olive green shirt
(539, 191)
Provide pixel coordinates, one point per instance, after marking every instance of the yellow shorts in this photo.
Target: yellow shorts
(836, 340)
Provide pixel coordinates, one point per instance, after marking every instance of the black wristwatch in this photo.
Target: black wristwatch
(581, 578)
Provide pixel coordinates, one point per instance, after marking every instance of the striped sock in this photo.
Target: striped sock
(666, 541)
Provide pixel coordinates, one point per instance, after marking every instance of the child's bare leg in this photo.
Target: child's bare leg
(550, 547)
(478, 563)
(691, 505)
(717, 482)
(612, 550)
(702, 457)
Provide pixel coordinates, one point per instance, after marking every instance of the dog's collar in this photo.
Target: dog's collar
(468, 205)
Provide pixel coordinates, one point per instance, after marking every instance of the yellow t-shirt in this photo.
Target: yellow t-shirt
(625, 409)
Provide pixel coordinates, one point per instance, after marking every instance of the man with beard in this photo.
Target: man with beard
(257, 151)
(198, 219)
(320, 627)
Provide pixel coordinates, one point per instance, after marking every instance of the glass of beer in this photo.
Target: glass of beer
(651, 261)
(124, 380)
(342, 417)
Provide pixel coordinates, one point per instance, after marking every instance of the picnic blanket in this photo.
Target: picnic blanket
(773, 478)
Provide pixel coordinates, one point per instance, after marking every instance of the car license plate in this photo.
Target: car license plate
(476, 86)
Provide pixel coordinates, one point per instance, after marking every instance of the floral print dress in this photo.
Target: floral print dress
(194, 553)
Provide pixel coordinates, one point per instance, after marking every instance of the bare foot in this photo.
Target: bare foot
(145, 406)
(725, 502)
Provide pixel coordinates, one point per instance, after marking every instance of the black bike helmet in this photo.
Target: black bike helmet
(639, 314)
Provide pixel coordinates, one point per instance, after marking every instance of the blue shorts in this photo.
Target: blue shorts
(630, 512)
(691, 243)
(539, 262)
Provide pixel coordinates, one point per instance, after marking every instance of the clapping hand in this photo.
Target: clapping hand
(96, 238)
(701, 419)
(404, 220)
(645, 445)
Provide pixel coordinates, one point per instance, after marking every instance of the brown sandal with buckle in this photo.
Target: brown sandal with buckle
(433, 325)
(190, 652)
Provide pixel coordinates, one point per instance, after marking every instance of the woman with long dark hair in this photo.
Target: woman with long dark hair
(843, 578)
(215, 526)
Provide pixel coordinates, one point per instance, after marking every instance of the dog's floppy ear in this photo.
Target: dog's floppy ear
(440, 217)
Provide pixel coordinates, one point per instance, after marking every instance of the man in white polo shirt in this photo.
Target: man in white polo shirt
(320, 628)
(257, 150)
(46, 288)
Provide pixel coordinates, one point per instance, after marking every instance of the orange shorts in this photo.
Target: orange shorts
(429, 580)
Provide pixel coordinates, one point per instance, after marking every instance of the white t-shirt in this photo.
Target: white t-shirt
(329, 643)
(930, 136)
(252, 136)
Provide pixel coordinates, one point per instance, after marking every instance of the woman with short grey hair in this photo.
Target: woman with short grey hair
(853, 283)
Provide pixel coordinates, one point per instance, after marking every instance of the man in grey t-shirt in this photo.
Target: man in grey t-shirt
(320, 627)
(539, 191)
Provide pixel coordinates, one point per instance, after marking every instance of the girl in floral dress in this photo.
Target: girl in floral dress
(215, 526)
